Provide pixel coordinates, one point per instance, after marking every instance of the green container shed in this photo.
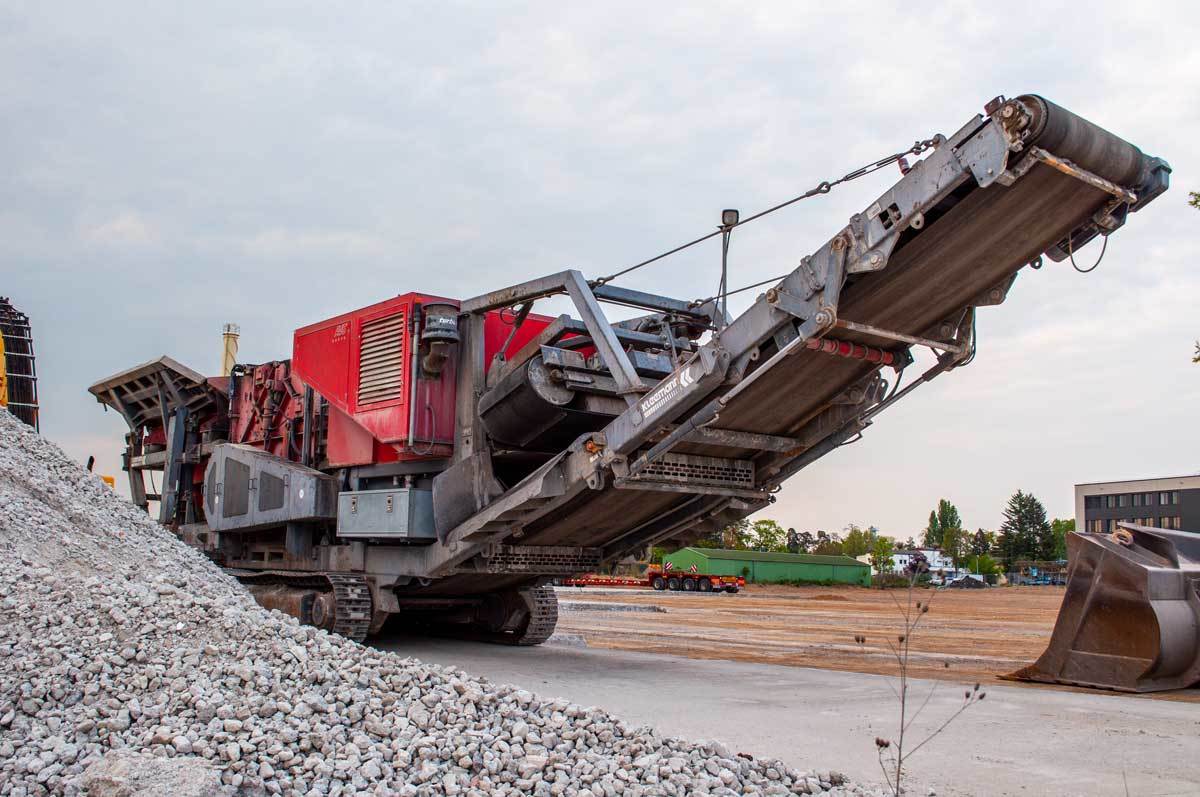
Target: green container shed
(766, 568)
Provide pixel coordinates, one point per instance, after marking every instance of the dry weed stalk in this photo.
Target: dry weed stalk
(893, 755)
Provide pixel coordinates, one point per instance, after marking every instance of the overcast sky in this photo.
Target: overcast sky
(166, 171)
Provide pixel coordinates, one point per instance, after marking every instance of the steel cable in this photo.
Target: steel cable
(822, 188)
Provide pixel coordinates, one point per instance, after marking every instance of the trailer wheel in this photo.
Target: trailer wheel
(658, 583)
(689, 585)
(673, 584)
(705, 585)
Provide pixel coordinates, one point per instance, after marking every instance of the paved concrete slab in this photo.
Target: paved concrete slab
(1019, 741)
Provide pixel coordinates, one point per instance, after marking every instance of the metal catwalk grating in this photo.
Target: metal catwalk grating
(558, 560)
(691, 469)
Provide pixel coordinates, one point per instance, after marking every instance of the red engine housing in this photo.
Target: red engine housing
(363, 364)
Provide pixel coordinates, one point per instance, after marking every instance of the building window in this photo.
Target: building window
(1164, 499)
(1123, 499)
(1175, 498)
(1137, 499)
(1149, 499)
(1091, 502)
(1110, 501)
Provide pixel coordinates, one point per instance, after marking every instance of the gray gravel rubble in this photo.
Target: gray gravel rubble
(118, 640)
(126, 773)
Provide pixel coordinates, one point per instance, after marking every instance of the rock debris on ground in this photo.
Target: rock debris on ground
(131, 665)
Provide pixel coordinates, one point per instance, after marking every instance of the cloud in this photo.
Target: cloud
(285, 243)
(128, 228)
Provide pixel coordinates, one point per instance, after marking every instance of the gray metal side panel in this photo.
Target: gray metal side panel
(234, 474)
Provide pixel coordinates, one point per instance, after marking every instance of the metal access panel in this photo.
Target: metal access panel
(246, 488)
(403, 513)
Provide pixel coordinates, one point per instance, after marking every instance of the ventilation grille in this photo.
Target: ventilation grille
(688, 469)
(381, 360)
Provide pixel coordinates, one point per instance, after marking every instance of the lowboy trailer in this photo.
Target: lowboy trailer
(658, 579)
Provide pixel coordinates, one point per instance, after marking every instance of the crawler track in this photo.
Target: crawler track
(542, 619)
(351, 595)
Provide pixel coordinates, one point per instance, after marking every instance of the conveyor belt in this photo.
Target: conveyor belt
(975, 240)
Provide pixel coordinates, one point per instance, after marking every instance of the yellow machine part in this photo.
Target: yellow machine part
(110, 481)
(3, 376)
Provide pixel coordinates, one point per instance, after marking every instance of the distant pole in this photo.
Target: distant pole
(229, 335)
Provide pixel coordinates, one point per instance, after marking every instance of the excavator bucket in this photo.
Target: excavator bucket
(1130, 620)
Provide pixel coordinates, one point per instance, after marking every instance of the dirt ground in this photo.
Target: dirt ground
(967, 634)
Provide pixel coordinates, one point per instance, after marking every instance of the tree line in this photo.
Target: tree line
(1025, 534)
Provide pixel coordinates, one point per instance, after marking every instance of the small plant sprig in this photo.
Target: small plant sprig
(894, 754)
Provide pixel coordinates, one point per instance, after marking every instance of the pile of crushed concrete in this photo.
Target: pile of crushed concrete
(129, 664)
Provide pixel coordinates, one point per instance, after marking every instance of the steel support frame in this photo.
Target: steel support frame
(728, 362)
(572, 283)
(173, 470)
(651, 301)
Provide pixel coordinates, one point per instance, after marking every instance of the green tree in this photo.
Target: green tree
(793, 541)
(768, 536)
(881, 554)
(944, 518)
(980, 544)
(734, 537)
(982, 564)
(1025, 532)
(1059, 529)
(933, 532)
(954, 542)
(828, 544)
(856, 542)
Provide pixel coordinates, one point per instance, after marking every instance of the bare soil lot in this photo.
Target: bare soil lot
(979, 634)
